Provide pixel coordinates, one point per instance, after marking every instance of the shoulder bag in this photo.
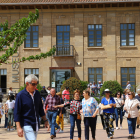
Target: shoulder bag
(120, 105)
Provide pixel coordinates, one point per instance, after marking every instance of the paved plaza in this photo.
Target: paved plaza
(44, 135)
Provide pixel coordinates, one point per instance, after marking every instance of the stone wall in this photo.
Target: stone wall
(111, 57)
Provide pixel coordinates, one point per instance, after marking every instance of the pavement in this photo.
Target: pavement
(43, 134)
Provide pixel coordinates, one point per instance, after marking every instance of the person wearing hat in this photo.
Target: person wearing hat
(107, 105)
(138, 98)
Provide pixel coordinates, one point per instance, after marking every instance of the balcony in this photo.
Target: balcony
(64, 51)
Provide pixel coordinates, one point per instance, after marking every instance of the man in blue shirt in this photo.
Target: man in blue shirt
(28, 108)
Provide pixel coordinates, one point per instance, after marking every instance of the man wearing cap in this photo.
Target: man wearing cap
(138, 97)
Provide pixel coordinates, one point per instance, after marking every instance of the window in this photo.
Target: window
(3, 80)
(94, 35)
(31, 71)
(3, 71)
(128, 74)
(63, 40)
(31, 40)
(95, 74)
(63, 35)
(127, 34)
(1, 29)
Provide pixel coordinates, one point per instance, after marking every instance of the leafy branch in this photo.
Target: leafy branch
(16, 35)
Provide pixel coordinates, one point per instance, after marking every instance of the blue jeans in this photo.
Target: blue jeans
(73, 118)
(6, 122)
(29, 133)
(118, 110)
(131, 125)
(52, 117)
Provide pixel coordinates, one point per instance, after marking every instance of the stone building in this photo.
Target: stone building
(95, 40)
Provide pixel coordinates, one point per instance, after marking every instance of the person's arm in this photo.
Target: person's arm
(17, 115)
(19, 129)
(97, 107)
(45, 104)
(122, 102)
(62, 105)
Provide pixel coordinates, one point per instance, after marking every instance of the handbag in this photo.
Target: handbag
(78, 117)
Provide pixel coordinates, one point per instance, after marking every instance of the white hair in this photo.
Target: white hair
(30, 78)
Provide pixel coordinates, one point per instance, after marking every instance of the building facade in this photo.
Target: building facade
(94, 40)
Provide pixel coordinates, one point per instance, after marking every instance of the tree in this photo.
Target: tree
(16, 34)
(113, 86)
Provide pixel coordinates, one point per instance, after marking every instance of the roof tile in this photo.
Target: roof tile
(61, 1)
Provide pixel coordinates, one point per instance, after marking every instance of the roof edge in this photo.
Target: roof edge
(49, 3)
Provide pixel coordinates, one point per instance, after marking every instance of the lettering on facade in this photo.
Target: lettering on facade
(15, 68)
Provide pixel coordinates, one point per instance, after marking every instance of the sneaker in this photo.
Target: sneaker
(58, 130)
(111, 137)
(120, 126)
(61, 131)
(117, 128)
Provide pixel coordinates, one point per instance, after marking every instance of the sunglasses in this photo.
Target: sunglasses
(118, 94)
(129, 94)
(34, 84)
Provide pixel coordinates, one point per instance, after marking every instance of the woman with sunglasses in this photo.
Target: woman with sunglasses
(75, 107)
(107, 105)
(131, 113)
(119, 109)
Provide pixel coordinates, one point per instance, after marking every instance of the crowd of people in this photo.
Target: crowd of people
(29, 106)
(95, 88)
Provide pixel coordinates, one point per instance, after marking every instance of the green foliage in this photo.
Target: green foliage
(113, 86)
(39, 87)
(83, 85)
(73, 84)
(16, 35)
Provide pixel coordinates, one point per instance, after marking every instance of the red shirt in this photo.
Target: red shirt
(66, 95)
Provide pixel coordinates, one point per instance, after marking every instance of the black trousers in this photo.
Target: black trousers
(90, 122)
(102, 120)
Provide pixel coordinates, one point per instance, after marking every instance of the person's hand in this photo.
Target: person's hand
(60, 115)
(20, 132)
(94, 115)
(111, 105)
(55, 106)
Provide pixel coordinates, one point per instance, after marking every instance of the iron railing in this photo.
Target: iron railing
(66, 50)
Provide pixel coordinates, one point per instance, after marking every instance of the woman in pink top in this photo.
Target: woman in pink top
(66, 94)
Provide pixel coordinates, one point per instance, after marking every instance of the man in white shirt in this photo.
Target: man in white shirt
(128, 85)
(99, 86)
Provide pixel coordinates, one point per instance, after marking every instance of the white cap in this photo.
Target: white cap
(107, 90)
